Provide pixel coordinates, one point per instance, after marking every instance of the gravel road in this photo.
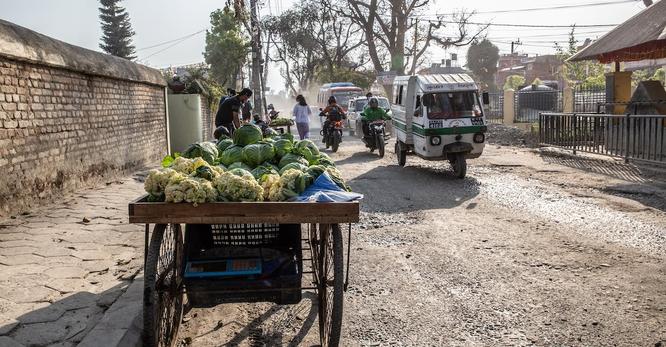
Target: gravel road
(527, 250)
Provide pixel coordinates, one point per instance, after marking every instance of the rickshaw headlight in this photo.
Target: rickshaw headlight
(479, 137)
(435, 140)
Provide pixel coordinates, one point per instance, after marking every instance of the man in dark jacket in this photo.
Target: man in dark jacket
(228, 112)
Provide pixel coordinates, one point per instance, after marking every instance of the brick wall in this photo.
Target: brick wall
(61, 128)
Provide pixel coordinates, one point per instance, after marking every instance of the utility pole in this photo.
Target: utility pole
(516, 43)
(255, 82)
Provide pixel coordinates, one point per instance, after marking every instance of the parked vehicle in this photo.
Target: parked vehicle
(377, 137)
(356, 106)
(439, 117)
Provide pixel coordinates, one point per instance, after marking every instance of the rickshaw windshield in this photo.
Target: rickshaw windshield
(360, 104)
(453, 105)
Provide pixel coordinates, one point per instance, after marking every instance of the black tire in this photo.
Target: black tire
(401, 153)
(335, 144)
(330, 291)
(380, 145)
(459, 164)
(163, 301)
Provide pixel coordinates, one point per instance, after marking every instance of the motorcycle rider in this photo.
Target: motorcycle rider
(333, 113)
(370, 114)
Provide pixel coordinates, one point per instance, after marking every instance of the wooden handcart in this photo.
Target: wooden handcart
(225, 228)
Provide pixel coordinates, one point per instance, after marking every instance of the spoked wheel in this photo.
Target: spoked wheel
(163, 287)
(459, 164)
(380, 144)
(328, 267)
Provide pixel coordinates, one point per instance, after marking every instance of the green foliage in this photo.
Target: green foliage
(116, 30)
(660, 75)
(514, 82)
(226, 48)
(584, 72)
(537, 82)
(482, 58)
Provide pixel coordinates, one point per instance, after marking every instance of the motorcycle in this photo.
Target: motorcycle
(331, 132)
(377, 137)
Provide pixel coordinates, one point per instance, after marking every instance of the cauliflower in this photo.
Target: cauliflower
(157, 181)
(267, 181)
(238, 188)
(285, 187)
(190, 189)
(187, 166)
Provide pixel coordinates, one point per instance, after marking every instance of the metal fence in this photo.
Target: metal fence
(495, 110)
(529, 104)
(589, 100)
(639, 137)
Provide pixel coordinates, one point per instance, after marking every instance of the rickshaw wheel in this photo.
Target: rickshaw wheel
(330, 284)
(459, 164)
(163, 284)
(401, 153)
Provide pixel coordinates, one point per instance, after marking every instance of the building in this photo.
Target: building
(544, 67)
(447, 66)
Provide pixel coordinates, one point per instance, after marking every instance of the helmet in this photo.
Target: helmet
(373, 102)
(332, 99)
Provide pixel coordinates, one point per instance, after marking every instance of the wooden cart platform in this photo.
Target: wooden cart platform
(142, 211)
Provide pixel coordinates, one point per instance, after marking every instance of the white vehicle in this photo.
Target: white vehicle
(439, 117)
(355, 108)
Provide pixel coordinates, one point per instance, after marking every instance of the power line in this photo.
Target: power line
(561, 7)
(523, 25)
(170, 41)
(167, 47)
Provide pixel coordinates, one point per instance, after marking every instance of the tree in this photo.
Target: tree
(396, 37)
(226, 47)
(586, 73)
(116, 30)
(482, 58)
(514, 82)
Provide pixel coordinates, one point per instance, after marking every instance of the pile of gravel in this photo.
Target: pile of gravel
(505, 135)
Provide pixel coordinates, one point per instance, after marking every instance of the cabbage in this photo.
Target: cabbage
(282, 147)
(303, 181)
(231, 155)
(324, 161)
(259, 171)
(295, 165)
(269, 132)
(287, 136)
(206, 150)
(205, 172)
(292, 158)
(223, 144)
(268, 163)
(315, 170)
(240, 165)
(307, 149)
(337, 178)
(247, 134)
(258, 153)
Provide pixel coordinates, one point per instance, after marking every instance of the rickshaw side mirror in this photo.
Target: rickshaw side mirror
(486, 98)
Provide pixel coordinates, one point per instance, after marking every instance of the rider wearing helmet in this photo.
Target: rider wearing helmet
(333, 113)
(372, 113)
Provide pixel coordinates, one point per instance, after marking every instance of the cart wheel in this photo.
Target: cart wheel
(330, 284)
(459, 164)
(163, 284)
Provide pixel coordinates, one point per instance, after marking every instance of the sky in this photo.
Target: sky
(158, 21)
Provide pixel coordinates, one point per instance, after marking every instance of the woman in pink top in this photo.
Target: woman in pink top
(301, 115)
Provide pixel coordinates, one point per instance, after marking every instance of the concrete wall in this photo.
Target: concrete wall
(70, 115)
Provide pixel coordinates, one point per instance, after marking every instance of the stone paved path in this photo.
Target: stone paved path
(64, 265)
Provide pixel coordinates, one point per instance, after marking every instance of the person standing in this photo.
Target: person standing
(246, 111)
(229, 112)
(302, 113)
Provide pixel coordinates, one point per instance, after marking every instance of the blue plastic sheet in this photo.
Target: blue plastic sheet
(325, 190)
